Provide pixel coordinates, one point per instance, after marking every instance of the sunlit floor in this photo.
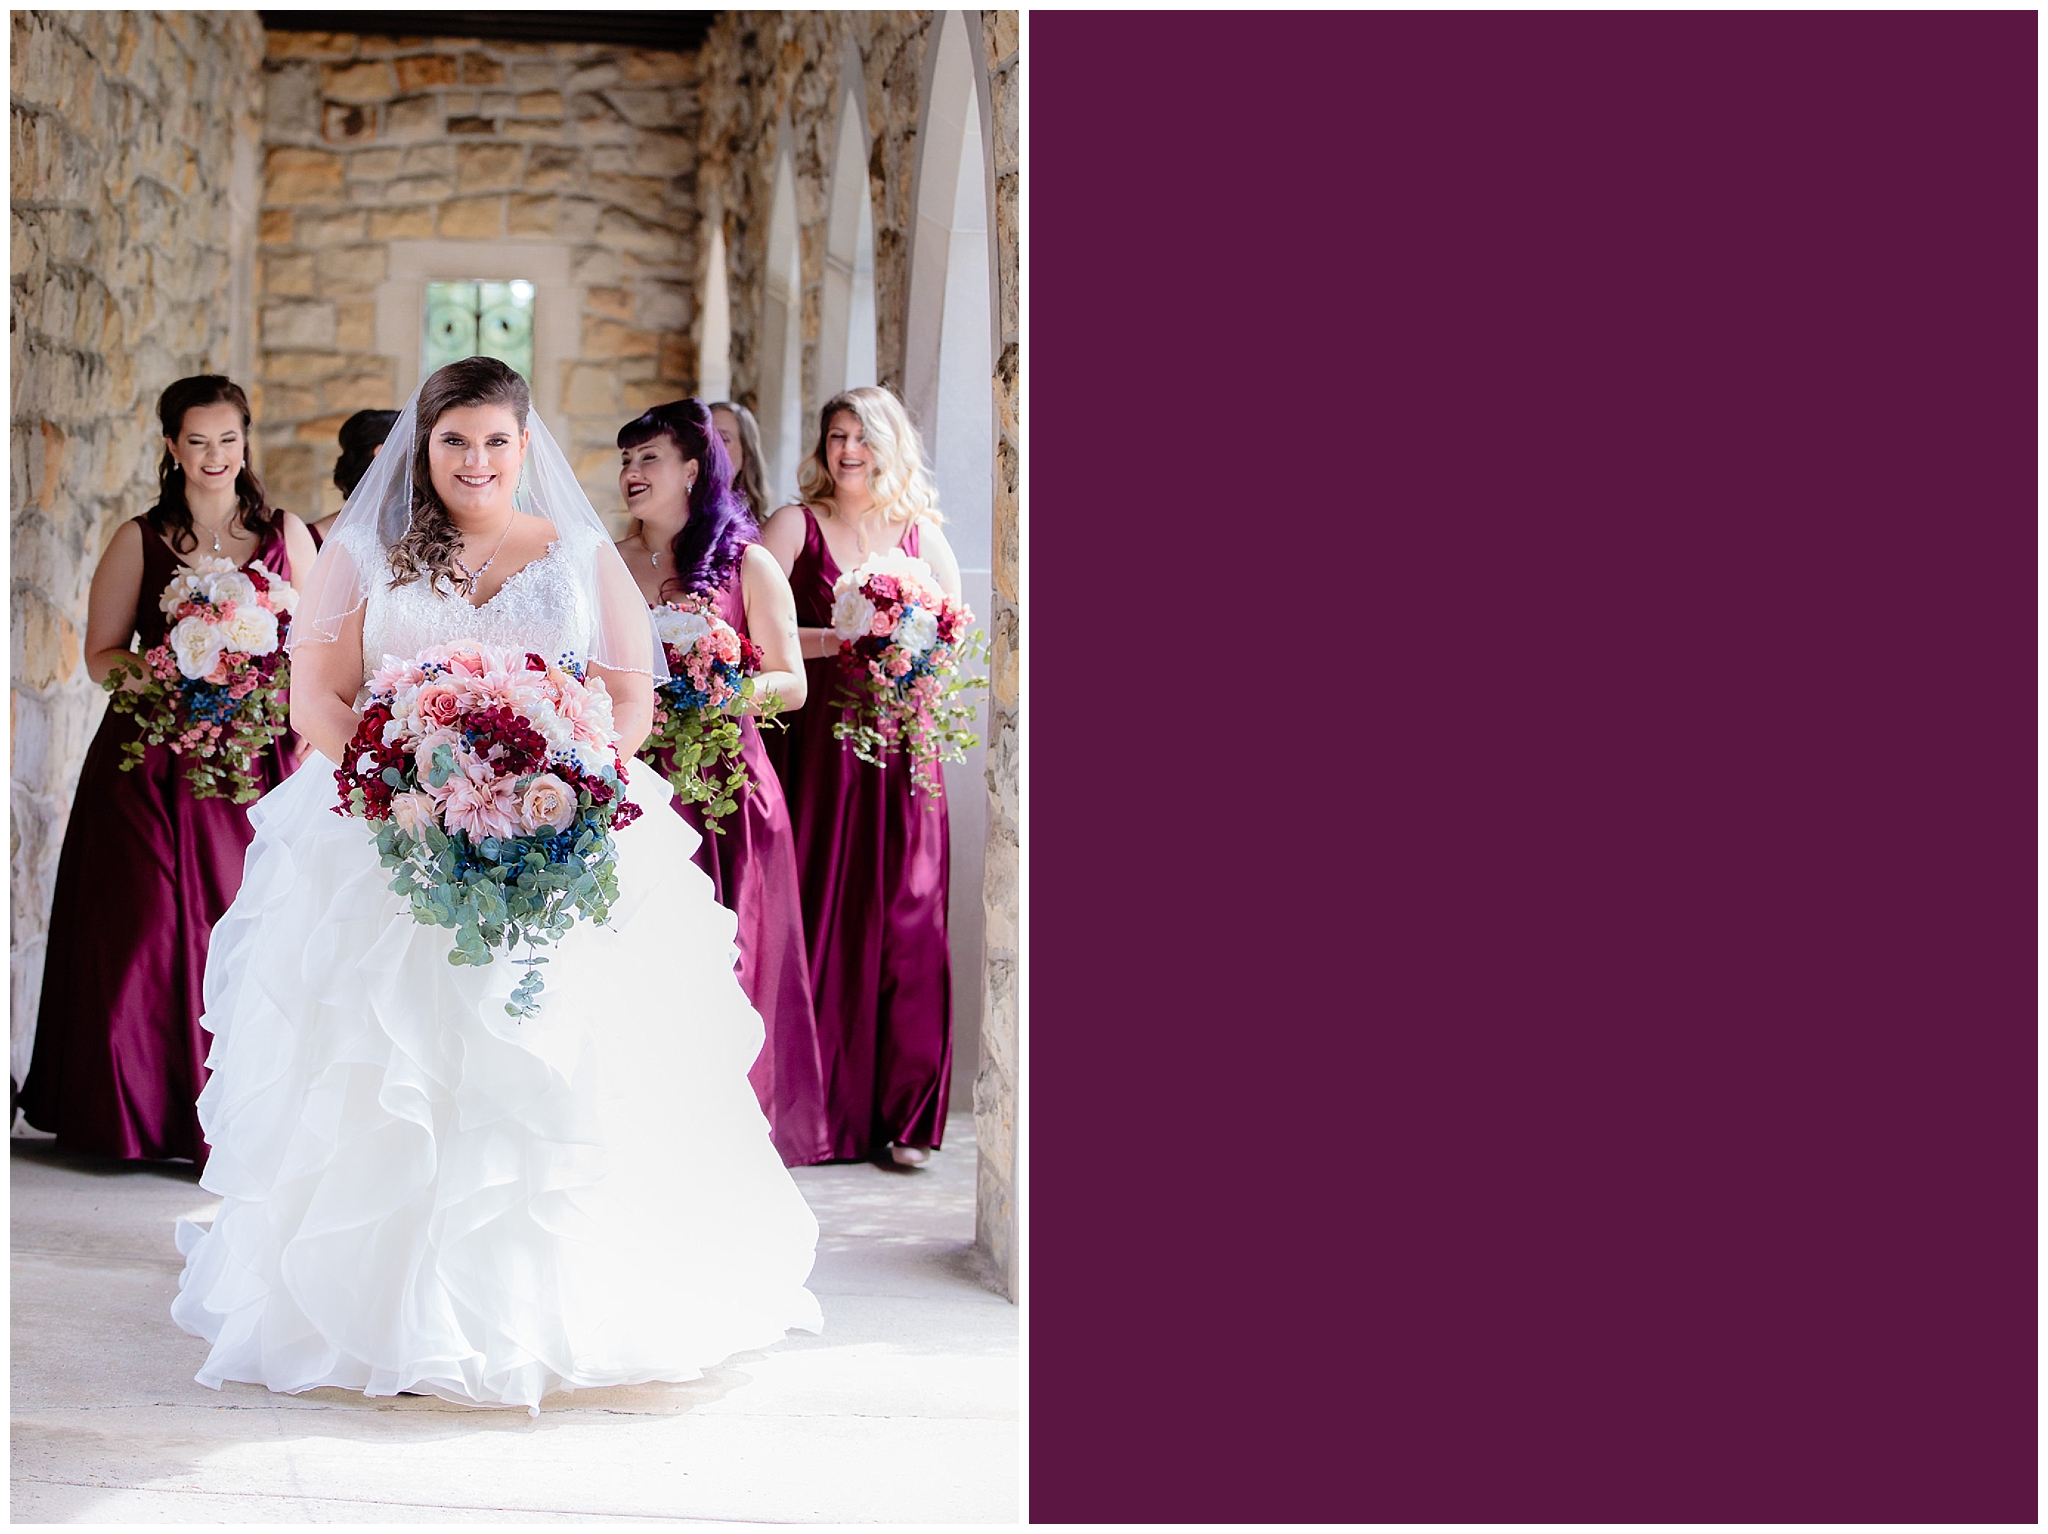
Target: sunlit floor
(904, 1411)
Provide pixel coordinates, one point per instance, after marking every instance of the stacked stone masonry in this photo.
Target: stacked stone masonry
(996, 1087)
(756, 65)
(134, 142)
(370, 140)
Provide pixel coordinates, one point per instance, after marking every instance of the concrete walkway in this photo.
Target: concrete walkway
(904, 1411)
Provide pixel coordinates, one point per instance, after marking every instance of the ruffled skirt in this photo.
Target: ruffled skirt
(422, 1193)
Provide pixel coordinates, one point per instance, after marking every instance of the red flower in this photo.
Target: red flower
(368, 740)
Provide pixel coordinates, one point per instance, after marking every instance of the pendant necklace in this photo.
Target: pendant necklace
(653, 554)
(471, 577)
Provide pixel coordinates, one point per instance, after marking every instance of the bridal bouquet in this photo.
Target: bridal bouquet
(904, 688)
(494, 782)
(711, 667)
(215, 690)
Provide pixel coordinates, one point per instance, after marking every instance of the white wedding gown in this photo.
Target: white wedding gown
(422, 1193)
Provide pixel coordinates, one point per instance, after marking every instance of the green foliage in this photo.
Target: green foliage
(220, 767)
(698, 751)
(502, 894)
(926, 721)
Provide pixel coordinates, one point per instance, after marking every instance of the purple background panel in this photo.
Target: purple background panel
(1532, 767)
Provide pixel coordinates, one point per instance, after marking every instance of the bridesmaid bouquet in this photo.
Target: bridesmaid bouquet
(215, 690)
(903, 687)
(711, 668)
(494, 782)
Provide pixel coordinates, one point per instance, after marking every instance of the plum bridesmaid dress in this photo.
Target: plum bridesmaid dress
(873, 864)
(753, 866)
(145, 872)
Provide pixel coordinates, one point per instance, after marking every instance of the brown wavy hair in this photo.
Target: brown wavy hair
(748, 479)
(170, 516)
(431, 538)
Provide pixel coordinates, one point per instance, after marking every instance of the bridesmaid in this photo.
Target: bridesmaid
(146, 868)
(693, 534)
(741, 434)
(362, 438)
(873, 859)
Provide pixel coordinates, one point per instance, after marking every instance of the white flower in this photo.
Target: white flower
(597, 706)
(231, 586)
(852, 615)
(916, 630)
(197, 645)
(680, 629)
(253, 631)
(585, 756)
(554, 729)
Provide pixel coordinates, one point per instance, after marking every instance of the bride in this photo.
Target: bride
(419, 1192)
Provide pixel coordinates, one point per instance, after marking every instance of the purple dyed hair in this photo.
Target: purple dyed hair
(720, 527)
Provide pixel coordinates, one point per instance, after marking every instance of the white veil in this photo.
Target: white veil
(358, 548)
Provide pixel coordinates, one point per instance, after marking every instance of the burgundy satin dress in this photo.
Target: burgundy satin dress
(145, 872)
(753, 865)
(873, 864)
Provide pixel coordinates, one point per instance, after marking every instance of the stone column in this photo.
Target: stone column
(995, 1087)
(128, 131)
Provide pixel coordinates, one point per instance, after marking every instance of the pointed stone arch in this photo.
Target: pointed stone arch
(847, 337)
(949, 358)
(781, 409)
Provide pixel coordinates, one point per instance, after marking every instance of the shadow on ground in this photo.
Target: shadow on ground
(905, 1410)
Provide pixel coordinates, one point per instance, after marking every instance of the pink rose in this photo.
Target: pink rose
(884, 624)
(548, 804)
(438, 706)
(413, 812)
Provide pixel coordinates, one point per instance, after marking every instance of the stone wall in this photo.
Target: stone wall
(995, 1088)
(134, 166)
(375, 145)
(756, 64)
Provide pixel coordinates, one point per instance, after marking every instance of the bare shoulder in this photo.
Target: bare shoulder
(933, 544)
(783, 533)
(127, 536)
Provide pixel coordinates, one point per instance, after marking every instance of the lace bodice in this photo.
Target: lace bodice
(546, 608)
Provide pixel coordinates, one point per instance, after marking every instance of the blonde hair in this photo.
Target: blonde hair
(900, 482)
